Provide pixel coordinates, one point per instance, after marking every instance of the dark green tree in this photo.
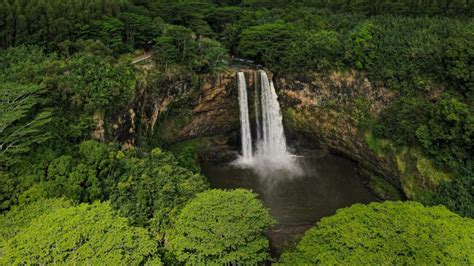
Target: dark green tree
(176, 45)
(266, 43)
(457, 195)
(23, 125)
(140, 31)
(152, 190)
(87, 178)
(449, 133)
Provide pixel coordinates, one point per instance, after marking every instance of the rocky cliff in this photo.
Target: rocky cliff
(327, 111)
(169, 110)
(335, 110)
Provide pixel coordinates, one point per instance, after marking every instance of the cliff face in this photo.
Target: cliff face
(330, 110)
(323, 110)
(173, 110)
(215, 111)
(335, 110)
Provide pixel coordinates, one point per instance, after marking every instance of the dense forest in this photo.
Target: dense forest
(68, 196)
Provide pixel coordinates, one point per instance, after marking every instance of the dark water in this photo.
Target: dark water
(328, 182)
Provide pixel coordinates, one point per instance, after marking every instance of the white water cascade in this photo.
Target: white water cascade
(244, 121)
(271, 149)
(257, 107)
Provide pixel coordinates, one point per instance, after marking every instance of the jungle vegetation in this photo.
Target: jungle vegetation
(65, 65)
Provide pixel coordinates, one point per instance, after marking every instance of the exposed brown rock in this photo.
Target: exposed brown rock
(321, 104)
(321, 107)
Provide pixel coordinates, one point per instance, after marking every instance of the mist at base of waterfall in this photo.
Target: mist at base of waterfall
(271, 165)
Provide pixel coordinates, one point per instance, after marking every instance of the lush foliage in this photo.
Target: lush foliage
(457, 195)
(90, 234)
(96, 84)
(387, 233)
(399, 7)
(19, 217)
(88, 177)
(266, 43)
(20, 127)
(178, 46)
(151, 191)
(66, 77)
(221, 227)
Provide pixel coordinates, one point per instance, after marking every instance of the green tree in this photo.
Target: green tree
(459, 56)
(402, 118)
(109, 31)
(221, 227)
(221, 17)
(387, 233)
(457, 195)
(212, 56)
(96, 47)
(140, 31)
(266, 43)
(88, 177)
(179, 46)
(23, 125)
(190, 14)
(26, 65)
(96, 84)
(20, 216)
(449, 133)
(152, 190)
(320, 50)
(176, 45)
(361, 46)
(86, 234)
(51, 22)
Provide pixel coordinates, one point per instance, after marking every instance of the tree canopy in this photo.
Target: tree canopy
(387, 233)
(152, 190)
(221, 227)
(74, 191)
(20, 216)
(90, 234)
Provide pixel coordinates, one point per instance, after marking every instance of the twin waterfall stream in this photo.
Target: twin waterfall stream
(270, 151)
(297, 190)
(244, 121)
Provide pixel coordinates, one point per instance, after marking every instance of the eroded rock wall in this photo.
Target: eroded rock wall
(323, 108)
(175, 110)
(326, 109)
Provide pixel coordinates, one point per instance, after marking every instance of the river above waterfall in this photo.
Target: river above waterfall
(327, 183)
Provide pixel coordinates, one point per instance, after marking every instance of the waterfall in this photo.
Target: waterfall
(271, 151)
(271, 148)
(257, 107)
(244, 120)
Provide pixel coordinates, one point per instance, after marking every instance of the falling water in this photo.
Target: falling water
(271, 148)
(257, 107)
(244, 120)
(271, 154)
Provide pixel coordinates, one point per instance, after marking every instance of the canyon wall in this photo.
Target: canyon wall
(327, 111)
